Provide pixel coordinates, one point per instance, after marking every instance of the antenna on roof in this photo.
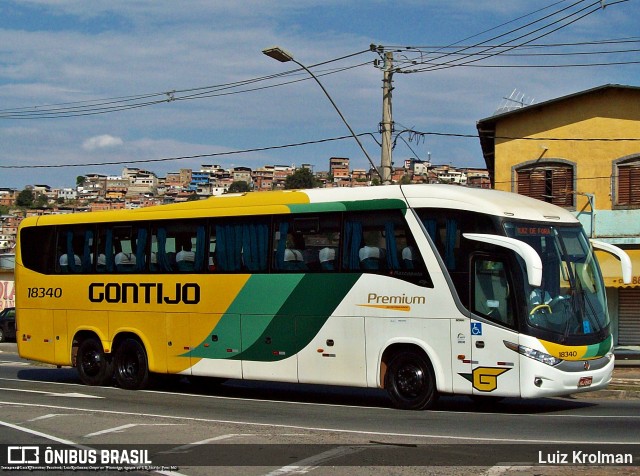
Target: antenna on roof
(516, 100)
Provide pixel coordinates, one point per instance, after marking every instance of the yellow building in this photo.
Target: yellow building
(581, 152)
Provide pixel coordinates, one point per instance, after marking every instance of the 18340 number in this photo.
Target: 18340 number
(44, 292)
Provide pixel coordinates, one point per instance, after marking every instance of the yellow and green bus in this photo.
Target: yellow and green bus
(420, 289)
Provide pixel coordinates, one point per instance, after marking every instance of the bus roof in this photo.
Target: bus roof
(489, 201)
(493, 202)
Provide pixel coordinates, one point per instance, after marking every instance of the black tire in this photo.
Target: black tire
(131, 365)
(94, 366)
(2, 339)
(410, 381)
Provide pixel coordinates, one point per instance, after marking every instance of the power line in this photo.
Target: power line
(122, 103)
(508, 45)
(559, 139)
(413, 135)
(435, 48)
(178, 158)
(566, 53)
(465, 55)
(564, 65)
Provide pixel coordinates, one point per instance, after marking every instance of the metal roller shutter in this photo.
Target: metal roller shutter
(629, 316)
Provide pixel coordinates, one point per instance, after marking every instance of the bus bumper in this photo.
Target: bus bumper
(541, 380)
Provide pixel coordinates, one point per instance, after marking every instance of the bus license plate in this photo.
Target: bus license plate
(585, 381)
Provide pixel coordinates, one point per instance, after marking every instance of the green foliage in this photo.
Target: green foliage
(25, 198)
(239, 186)
(41, 201)
(301, 178)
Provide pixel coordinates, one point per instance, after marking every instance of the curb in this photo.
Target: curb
(609, 394)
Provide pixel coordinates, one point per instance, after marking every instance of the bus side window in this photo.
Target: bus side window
(42, 239)
(70, 246)
(130, 248)
(190, 249)
(104, 250)
(374, 241)
(177, 247)
(240, 245)
(125, 258)
(307, 243)
(381, 242)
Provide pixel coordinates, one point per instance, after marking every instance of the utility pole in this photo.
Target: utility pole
(386, 126)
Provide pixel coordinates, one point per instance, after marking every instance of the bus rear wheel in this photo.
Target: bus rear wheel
(410, 381)
(131, 365)
(94, 366)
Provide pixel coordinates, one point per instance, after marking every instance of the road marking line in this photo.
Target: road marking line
(51, 394)
(119, 429)
(49, 415)
(312, 462)
(299, 427)
(70, 443)
(38, 433)
(11, 362)
(189, 446)
(504, 468)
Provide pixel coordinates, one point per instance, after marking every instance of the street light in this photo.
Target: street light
(284, 56)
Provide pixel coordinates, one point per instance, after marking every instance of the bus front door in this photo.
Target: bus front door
(495, 368)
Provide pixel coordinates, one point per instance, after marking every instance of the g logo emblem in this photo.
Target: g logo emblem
(485, 379)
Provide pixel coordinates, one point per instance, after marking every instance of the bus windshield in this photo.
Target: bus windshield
(570, 300)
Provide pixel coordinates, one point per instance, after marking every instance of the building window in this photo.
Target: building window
(551, 182)
(628, 182)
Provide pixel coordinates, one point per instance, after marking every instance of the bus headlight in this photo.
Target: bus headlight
(533, 354)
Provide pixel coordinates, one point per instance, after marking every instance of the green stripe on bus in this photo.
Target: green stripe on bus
(360, 205)
(264, 292)
(301, 317)
(598, 350)
(293, 309)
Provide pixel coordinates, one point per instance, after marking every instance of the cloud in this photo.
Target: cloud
(101, 142)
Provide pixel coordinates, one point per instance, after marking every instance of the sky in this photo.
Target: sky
(94, 86)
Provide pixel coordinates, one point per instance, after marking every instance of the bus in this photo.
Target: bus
(421, 290)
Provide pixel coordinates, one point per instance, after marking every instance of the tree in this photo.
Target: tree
(25, 198)
(80, 180)
(301, 178)
(239, 186)
(41, 201)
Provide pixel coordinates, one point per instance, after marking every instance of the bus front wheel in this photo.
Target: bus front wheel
(131, 366)
(94, 366)
(410, 381)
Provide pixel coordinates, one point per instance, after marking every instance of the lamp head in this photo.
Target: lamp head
(278, 53)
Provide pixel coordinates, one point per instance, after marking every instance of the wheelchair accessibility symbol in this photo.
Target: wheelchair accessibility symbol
(476, 329)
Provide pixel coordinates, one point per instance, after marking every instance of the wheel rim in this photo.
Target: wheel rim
(410, 381)
(91, 363)
(129, 366)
